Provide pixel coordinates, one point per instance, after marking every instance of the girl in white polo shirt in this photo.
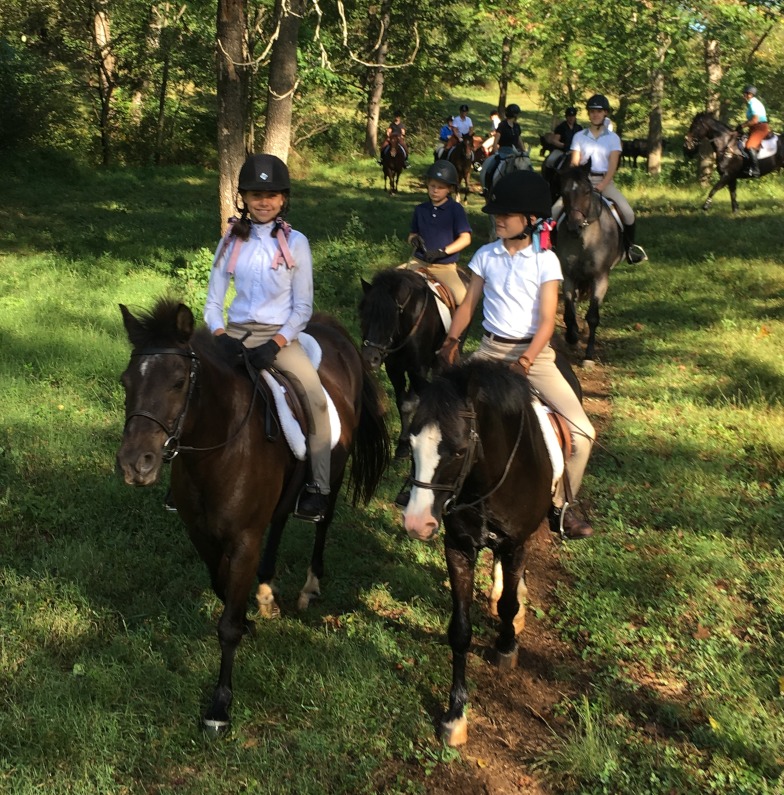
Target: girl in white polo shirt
(517, 277)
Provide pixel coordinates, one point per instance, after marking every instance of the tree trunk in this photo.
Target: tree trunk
(232, 101)
(282, 78)
(161, 120)
(105, 64)
(714, 72)
(376, 82)
(504, 77)
(655, 115)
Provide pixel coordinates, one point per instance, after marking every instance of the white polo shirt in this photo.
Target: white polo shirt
(462, 125)
(511, 289)
(598, 149)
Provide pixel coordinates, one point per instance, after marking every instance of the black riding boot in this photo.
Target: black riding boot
(753, 170)
(312, 504)
(634, 253)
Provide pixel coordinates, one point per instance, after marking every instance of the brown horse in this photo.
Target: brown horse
(233, 473)
(393, 162)
(462, 157)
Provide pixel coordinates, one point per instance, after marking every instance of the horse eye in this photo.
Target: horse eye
(179, 384)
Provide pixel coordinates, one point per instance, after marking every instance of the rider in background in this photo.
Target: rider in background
(272, 269)
(395, 128)
(562, 137)
(603, 148)
(506, 143)
(516, 278)
(757, 122)
(489, 142)
(440, 229)
(461, 126)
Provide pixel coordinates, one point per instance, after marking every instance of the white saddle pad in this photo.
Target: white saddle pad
(288, 423)
(550, 440)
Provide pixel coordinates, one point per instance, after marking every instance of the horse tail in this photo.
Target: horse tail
(371, 450)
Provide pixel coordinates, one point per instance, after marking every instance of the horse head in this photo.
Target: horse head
(578, 193)
(159, 383)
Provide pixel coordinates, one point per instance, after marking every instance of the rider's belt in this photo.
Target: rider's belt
(507, 341)
(598, 173)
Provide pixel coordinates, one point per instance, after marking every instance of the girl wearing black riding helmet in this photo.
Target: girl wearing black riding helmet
(507, 143)
(517, 279)
(602, 148)
(273, 276)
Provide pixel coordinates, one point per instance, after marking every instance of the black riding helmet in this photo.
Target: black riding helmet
(750, 90)
(512, 110)
(264, 172)
(464, 107)
(598, 101)
(570, 111)
(443, 170)
(520, 192)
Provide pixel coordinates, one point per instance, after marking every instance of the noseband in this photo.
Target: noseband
(474, 444)
(573, 214)
(171, 445)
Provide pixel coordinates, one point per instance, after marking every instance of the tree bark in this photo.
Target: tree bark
(714, 73)
(282, 78)
(106, 68)
(377, 82)
(504, 77)
(232, 93)
(655, 115)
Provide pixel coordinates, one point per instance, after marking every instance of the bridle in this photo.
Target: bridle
(385, 350)
(474, 444)
(574, 214)
(171, 446)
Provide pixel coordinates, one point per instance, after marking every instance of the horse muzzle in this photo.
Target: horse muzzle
(373, 356)
(138, 467)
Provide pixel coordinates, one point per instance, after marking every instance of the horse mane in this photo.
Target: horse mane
(159, 327)
(485, 383)
(380, 302)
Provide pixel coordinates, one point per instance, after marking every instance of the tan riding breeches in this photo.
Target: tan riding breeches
(294, 363)
(547, 378)
(446, 274)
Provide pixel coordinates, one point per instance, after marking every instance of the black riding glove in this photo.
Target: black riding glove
(432, 255)
(230, 349)
(263, 356)
(417, 242)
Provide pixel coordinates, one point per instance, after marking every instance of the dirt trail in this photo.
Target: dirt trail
(511, 717)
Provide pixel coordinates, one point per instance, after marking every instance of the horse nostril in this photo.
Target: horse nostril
(145, 463)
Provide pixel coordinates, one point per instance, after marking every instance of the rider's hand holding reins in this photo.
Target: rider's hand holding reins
(264, 355)
(522, 365)
(449, 353)
(231, 349)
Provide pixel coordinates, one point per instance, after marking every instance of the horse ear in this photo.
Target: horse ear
(184, 323)
(587, 166)
(132, 326)
(365, 285)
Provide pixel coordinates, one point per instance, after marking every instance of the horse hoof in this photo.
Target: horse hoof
(588, 364)
(266, 603)
(506, 661)
(214, 729)
(455, 732)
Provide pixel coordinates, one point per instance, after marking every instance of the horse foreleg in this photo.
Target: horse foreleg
(732, 185)
(397, 377)
(718, 186)
(266, 593)
(511, 607)
(570, 313)
(454, 726)
(592, 316)
(231, 627)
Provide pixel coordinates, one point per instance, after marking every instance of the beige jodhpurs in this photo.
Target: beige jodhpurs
(293, 362)
(446, 274)
(547, 378)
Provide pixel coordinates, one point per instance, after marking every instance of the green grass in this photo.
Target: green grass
(107, 631)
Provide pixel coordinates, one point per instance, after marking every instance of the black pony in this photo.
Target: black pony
(731, 161)
(590, 244)
(481, 465)
(393, 161)
(402, 329)
(233, 473)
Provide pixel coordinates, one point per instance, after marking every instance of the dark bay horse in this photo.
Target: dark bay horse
(731, 161)
(589, 245)
(401, 329)
(392, 162)
(462, 157)
(233, 473)
(480, 464)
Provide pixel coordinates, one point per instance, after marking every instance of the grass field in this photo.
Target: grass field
(107, 629)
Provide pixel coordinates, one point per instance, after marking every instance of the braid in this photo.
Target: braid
(241, 227)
